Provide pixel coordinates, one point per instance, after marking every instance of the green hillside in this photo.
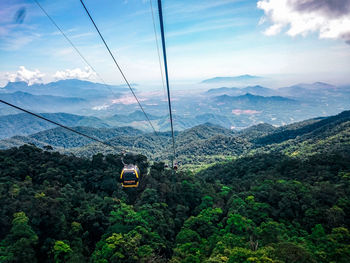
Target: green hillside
(203, 144)
(25, 124)
(311, 137)
(60, 137)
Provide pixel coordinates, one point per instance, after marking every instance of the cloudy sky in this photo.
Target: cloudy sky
(291, 41)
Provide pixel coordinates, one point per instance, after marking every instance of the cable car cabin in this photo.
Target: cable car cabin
(130, 176)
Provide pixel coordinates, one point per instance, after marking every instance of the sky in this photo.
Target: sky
(284, 41)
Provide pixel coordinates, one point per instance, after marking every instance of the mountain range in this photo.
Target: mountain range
(241, 78)
(42, 103)
(253, 101)
(205, 143)
(255, 90)
(25, 124)
(70, 96)
(231, 107)
(66, 88)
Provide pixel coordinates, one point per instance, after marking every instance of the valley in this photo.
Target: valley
(112, 106)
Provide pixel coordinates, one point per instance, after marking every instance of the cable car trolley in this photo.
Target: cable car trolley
(130, 176)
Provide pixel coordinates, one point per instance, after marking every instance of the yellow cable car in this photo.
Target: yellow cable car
(130, 176)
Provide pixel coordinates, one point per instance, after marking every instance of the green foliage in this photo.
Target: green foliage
(291, 252)
(19, 244)
(61, 251)
(243, 255)
(266, 206)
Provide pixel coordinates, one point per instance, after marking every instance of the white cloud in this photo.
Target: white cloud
(77, 73)
(300, 17)
(127, 100)
(25, 75)
(245, 112)
(101, 107)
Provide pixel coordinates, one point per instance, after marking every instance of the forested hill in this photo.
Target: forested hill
(268, 207)
(315, 126)
(25, 124)
(203, 144)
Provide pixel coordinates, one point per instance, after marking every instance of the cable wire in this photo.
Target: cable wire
(70, 42)
(158, 51)
(58, 124)
(166, 75)
(119, 68)
(75, 47)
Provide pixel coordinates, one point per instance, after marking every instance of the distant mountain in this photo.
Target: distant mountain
(25, 124)
(72, 96)
(250, 101)
(255, 90)
(318, 99)
(314, 90)
(134, 116)
(226, 91)
(15, 86)
(41, 103)
(317, 85)
(67, 88)
(259, 90)
(243, 110)
(240, 78)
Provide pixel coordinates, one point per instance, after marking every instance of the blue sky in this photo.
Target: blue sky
(205, 39)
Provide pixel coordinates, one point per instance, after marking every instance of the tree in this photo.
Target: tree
(271, 232)
(243, 255)
(19, 244)
(123, 248)
(292, 253)
(238, 224)
(61, 251)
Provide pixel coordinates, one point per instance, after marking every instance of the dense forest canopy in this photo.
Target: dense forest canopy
(270, 205)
